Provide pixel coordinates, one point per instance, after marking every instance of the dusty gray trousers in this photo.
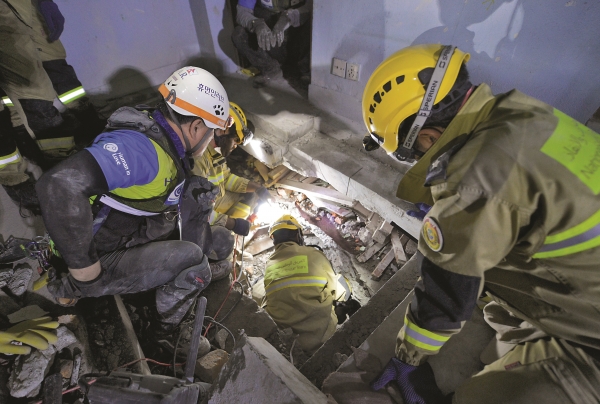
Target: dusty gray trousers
(178, 269)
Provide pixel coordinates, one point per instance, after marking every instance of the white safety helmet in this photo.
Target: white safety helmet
(193, 91)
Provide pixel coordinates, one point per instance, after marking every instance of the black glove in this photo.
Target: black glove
(203, 191)
(241, 227)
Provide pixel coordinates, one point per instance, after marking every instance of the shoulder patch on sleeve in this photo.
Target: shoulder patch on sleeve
(432, 234)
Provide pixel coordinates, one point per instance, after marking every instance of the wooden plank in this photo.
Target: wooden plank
(263, 170)
(332, 207)
(278, 171)
(277, 177)
(398, 246)
(309, 180)
(142, 365)
(369, 252)
(260, 246)
(383, 232)
(315, 191)
(360, 209)
(385, 262)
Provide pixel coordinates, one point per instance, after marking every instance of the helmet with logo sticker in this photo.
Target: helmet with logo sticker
(397, 88)
(193, 91)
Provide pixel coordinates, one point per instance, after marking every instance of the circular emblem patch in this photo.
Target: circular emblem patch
(432, 234)
(111, 147)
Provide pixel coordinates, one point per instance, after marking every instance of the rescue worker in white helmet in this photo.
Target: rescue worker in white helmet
(137, 176)
(507, 188)
(237, 196)
(301, 287)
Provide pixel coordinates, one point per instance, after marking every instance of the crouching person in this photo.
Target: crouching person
(301, 286)
(111, 208)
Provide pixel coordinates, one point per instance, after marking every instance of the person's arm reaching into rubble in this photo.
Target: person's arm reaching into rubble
(118, 159)
(463, 235)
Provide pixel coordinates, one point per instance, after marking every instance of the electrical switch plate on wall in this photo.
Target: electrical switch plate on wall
(352, 70)
(338, 68)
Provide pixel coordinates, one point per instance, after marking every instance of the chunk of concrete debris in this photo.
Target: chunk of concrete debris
(365, 361)
(29, 370)
(5, 275)
(257, 370)
(221, 338)
(66, 368)
(20, 279)
(209, 366)
(353, 388)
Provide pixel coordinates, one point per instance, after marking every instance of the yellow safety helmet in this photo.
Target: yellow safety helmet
(285, 222)
(394, 92)
(241, 124)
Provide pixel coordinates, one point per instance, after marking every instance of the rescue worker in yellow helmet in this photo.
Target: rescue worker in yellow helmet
(515, 214)
(137, 176)
(301, 286)
(237, 196)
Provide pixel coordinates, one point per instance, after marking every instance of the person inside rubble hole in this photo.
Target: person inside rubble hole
(110, 208)
(507, 188)
(237, 197)
(273, 33)
(301, 289)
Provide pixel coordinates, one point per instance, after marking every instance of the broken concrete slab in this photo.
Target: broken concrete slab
(29, 370)
(257, 370)
(5, 274)
(353, 388)
(208, 367)
(360, 325)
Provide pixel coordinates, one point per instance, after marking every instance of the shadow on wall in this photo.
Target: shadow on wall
(203, 12)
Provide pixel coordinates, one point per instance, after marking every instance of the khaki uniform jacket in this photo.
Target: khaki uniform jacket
(300, 287)
(514, 185)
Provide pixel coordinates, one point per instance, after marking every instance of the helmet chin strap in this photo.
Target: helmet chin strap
(189, 150)
(406, 151)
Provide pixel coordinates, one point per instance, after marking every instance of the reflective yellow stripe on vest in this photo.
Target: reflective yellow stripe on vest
(582, 237)
(58, 143)
(216, 179)
(422, 338)
(232, 181)
(72, 95)
(296, 282)
(7, 101)
(12, 158)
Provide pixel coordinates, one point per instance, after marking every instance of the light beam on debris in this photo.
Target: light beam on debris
(268, 213)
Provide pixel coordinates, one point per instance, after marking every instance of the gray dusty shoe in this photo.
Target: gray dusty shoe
(220, 269)
(266, 78)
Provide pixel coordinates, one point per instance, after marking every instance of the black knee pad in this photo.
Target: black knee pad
(196, 277)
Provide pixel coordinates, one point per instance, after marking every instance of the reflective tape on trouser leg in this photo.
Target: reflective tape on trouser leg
(13, 158)
(71, 95)
(195, 277)
(7, 102)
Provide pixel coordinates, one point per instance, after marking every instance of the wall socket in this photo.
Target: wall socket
(352, 70)
(338, 68)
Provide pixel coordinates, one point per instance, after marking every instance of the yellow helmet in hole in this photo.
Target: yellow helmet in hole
(285, 222)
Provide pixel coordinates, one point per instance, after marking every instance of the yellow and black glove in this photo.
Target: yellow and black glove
(37, 333)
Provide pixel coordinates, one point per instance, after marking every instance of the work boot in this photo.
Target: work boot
(267, 77)
(220, 269)
(25, 197)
